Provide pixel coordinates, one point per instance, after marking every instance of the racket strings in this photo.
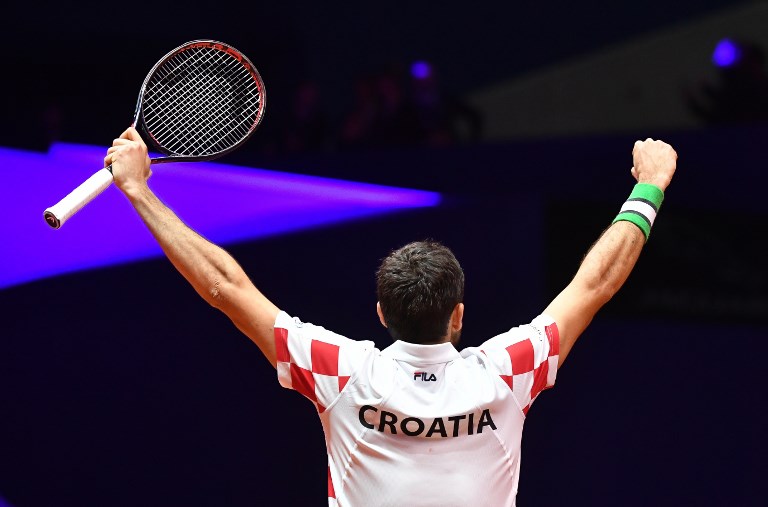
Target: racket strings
(214, 111)
(193, 118)
(228, 123)
(194, 92)
(200, 102)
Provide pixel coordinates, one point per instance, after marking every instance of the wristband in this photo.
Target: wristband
(641, 207)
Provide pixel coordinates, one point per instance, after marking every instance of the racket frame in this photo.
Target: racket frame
(56, 215)
(138, 117)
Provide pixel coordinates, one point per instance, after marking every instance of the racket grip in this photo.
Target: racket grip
(56, 215)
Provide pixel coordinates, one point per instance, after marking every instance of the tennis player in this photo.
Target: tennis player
(419, 423)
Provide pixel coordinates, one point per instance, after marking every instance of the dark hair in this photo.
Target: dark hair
(418, 287)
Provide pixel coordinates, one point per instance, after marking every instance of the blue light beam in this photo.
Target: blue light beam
(224, 203)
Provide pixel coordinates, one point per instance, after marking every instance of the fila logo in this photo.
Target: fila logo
(424, 376)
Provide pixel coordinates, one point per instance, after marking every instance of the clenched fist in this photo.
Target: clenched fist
(654, 162)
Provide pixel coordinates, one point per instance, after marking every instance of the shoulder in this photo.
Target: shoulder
(523, 347)
(296, 338)
(316, 362)
(541, 332)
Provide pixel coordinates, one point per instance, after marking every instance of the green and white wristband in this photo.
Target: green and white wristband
(641, 207)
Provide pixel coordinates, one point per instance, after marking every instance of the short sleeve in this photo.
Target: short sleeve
(526, 358)
(314, 361)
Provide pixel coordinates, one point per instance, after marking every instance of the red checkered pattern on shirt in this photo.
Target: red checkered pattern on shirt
(529, 364)
(318, 368)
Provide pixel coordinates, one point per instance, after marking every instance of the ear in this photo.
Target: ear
(457, 317)
(381, 315)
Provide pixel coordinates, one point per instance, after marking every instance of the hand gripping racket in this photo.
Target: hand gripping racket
(199, 102)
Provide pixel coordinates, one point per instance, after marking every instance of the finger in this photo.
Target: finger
(633, 171)
(131, 134)
(120, 142)
(110, 159)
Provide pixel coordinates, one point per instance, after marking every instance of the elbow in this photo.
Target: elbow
(220, 293)
(213, 295)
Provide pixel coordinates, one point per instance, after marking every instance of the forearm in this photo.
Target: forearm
(213, 273)
(609, 262)
(206, 266)
(603, 271)
(611, 259)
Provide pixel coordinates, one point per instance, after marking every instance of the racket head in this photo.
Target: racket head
(200, 101)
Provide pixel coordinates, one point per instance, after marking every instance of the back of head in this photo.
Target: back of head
(418, 287)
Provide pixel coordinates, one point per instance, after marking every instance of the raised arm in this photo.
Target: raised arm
(213, 273)
(608, 263)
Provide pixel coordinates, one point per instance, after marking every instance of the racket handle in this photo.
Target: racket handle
(56, 215)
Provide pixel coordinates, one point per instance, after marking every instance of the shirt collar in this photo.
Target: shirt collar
(422, 354)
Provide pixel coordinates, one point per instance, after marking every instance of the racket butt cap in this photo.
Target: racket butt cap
(51, 219)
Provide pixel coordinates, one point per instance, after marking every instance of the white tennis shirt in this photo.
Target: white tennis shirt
(419, 425)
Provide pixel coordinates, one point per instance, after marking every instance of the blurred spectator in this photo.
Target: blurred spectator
(306, 129)
(397, 121)
(741, 93)
(383, 114)
(390, 108)
(444, 119)
(357, 125)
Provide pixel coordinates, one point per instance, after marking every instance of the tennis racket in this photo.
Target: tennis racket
(199, 102)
